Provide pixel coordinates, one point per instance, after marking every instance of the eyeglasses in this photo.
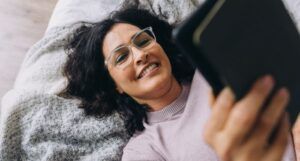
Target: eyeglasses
(122, 56)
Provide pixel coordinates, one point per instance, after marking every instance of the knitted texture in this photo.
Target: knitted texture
(46, 127)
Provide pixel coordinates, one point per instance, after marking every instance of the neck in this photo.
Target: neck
(167, 98)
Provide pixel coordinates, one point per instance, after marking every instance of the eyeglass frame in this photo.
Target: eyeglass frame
(129, 45)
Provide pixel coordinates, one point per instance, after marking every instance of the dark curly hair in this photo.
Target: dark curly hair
(89, 80)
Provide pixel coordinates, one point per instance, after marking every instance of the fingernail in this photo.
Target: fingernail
(298, 118)
(283, 92)
(267, 82)
(226, 98)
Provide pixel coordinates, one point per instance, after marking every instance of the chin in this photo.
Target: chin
(158, 85)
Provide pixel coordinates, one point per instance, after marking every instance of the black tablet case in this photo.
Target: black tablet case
(245, 40)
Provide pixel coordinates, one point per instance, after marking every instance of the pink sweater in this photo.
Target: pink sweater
(175, 132)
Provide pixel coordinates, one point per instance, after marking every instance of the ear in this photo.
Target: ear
(120, 90)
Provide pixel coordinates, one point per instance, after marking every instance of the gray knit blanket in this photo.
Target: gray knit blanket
(35, 124)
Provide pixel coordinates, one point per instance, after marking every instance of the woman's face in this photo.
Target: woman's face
(149, 74)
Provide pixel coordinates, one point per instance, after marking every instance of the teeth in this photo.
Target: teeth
(148, 69)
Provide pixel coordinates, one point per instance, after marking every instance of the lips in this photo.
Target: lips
(150, 67)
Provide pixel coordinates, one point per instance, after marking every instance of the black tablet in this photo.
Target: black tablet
(234, 42)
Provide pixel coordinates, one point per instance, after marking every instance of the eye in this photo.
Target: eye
(142, 40)
(143, 43)
(121, 57)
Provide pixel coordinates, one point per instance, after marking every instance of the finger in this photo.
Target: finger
(276, 150)
(221, 109)
(272, 115)
(296, 137)
(244, 113)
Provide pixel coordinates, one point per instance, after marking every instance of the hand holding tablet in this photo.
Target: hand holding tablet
(235, 42)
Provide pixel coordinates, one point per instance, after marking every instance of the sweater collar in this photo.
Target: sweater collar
(172, 109)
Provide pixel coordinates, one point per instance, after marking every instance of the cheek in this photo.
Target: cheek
(123, 78)
(164, 58)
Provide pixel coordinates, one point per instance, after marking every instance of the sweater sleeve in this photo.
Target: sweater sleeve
(289, 154)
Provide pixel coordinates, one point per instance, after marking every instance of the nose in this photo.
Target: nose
(139, 56)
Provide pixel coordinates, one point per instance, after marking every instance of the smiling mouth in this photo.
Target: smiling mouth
(148, 69)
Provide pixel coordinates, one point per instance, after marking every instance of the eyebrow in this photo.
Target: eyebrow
(134, 35)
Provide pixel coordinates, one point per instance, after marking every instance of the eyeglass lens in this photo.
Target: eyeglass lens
(122, 56)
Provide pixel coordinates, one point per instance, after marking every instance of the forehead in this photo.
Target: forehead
(120, 33)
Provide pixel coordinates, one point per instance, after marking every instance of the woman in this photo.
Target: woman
(128, 63)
